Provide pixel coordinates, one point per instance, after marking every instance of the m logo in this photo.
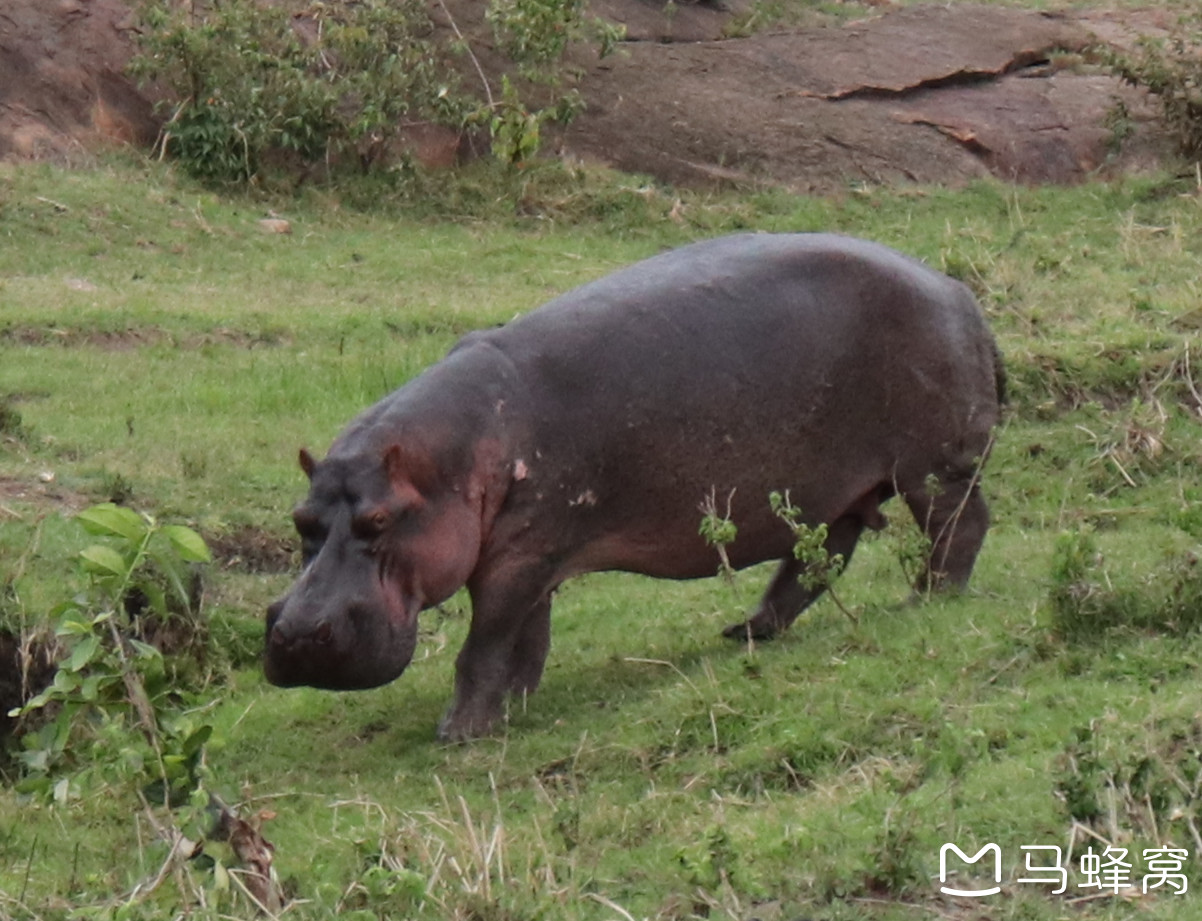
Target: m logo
(971, 893)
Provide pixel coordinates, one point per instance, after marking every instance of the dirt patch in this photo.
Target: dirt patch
(39, 492)
(941, 93)
(684, 21)
(62, 87)
(116, 340)
(250, 549)
(121, 340)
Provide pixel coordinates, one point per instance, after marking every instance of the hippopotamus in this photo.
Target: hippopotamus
(587, 435)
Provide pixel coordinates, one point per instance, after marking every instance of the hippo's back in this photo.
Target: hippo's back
(759, 327)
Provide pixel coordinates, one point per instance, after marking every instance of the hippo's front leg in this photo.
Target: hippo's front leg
(505, 651)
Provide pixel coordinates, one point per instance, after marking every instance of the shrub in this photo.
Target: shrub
(1171, 70)
(330, 85)
(115, 704)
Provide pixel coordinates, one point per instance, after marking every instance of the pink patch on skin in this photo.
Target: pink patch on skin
(401, 614)
(520, 470)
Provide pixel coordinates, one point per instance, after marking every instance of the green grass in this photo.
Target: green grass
(155, 341)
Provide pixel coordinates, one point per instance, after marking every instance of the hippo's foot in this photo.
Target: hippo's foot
(462, 724)
(757, 628)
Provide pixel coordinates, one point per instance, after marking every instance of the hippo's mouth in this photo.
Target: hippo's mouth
(353, 650)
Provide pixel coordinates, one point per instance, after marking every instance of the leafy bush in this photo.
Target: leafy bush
(116, 705)
(119, 720)
(536, 33)
(326, 85)
(1171, 69)
(330, 82)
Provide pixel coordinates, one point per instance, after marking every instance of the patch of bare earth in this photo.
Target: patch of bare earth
(251, 549)
(30, 497)
(62, 86)
(121, 340)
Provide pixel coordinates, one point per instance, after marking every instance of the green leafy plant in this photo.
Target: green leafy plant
(328, 83)
(117, 716)
(536, 33)
(516, 131)
(718, 530)
(1170, 68)
(303, 87)
(113, 709)
(809, 546)
(809, 543)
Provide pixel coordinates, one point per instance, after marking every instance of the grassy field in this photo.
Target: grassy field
(157, 346)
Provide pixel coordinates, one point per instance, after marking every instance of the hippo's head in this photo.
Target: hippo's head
(382, 537)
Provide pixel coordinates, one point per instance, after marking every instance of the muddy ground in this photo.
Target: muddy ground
(935, 93)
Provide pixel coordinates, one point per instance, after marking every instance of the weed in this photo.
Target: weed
(719, 531)
(1171, 70)
(1133, 785)
(12, 426)
(710, 862)
(896, 861)
(1086, 602)
(1135, 445)
(193, 465)
(312, 89)
(536, 33)
(910, 545)
(106, 668)
(1119, 123)
(809, 546)
(117, 488)
(116, 716)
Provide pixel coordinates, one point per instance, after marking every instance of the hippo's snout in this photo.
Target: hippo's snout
(282, 635)
(338, 649)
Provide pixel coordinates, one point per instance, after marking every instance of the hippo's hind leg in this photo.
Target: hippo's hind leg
(787, 596)
(954, 516)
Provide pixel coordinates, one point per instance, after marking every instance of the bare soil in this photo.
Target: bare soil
(254, 550)
(934, 93)
(62, 85)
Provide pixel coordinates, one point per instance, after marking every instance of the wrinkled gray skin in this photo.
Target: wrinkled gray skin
(587, 434)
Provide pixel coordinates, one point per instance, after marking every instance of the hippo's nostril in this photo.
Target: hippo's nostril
(278, 639)
(278, 635)
(323, 634)
(273, 614)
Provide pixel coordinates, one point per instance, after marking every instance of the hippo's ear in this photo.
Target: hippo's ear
(307, 462)
(411, 466)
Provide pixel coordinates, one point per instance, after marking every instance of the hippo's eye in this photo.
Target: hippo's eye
(370, 525)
